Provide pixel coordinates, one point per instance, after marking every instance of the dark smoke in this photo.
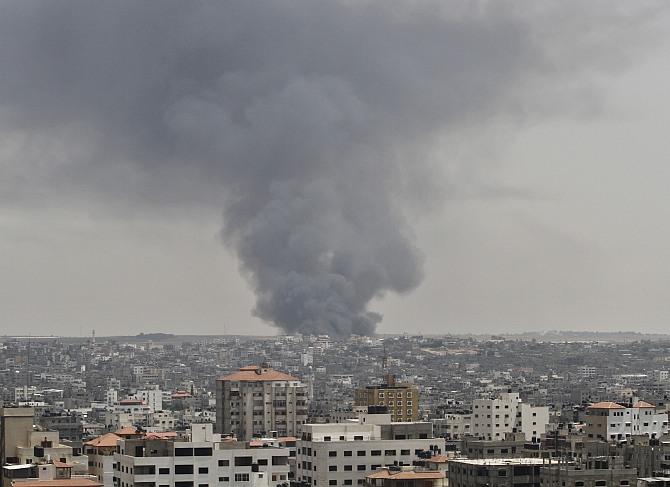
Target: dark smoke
(307, 120)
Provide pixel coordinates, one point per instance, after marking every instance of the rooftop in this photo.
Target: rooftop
(252, 373)
(606, 405)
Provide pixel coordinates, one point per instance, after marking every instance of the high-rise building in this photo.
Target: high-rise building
(492, 418)
(259, 401)
(401, 400)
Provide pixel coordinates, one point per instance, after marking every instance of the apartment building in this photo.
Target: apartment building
(598, 472)
(203, 460)
(345, 453)
(100, 452)
(615, 421)
(259, 401)
(492, 418)
(402, 400)
(500, 472)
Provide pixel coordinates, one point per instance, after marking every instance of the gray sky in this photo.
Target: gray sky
(455, 167)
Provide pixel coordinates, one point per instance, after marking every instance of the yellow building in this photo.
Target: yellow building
(402, 400)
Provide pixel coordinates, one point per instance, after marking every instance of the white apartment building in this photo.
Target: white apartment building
(152, 397)
(492, 418)
(613, 421)
(454, 426)
(586, 371)
(128, 412)
(203, 461)
(256, 401)
(344, 453)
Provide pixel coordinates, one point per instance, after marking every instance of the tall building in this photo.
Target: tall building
(492, 418)
(345, 453)
(259, 401)
(613, 421)
(402, 400)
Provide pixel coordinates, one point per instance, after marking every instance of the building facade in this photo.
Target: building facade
(492, 418)
(610, 421)
(345, 453)
(402, 400)
(259, 401)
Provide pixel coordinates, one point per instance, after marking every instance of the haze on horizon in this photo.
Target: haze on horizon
(456, 167)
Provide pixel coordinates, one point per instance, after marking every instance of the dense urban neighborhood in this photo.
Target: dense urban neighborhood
(468, 411)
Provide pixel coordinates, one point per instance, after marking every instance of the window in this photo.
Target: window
(358, 438)
(262, 461)
(164, 471)
(203, 470)
(332, 482)
(183, 452)
(389, 452)
(375, 453)
(183, 484)
(224, 463)
(183, 469)
(601, 483)
(360, 467)
(502, 473)
(202, 452)
(624, 482)
(326, 438)
(579, 483)
(224, 479)
(361, 453)
(243, 461)
(347, 468)
(332, 468)
(332, 453)
(348, 482)
(203, 485)
(347, 453)
(241, 477)
(404, 452)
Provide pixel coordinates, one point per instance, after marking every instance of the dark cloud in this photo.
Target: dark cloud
(302, 119)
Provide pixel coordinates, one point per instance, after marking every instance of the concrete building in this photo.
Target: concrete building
(259, 401)
(492, 418)
(598, 472)
(15, 426)
(345, 453)
(201, 460)
(502, 472)
(100, 452)
(402, 400)
(152, 397)
(614, 421)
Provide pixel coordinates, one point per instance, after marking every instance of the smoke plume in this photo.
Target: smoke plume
(308, 122)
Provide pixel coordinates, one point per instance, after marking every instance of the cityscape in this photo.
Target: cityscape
(331, 243)
(158, 410)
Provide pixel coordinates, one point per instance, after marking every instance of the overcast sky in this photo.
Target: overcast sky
(451, 166)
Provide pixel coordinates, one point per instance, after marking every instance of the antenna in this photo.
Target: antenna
(27, 367)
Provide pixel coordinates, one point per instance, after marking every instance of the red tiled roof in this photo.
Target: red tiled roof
(643, 404)
(438, 459)
(108, 440)
(405, 475)
(161, 435)
(127, 431)
(606, 405)
(254, 373)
